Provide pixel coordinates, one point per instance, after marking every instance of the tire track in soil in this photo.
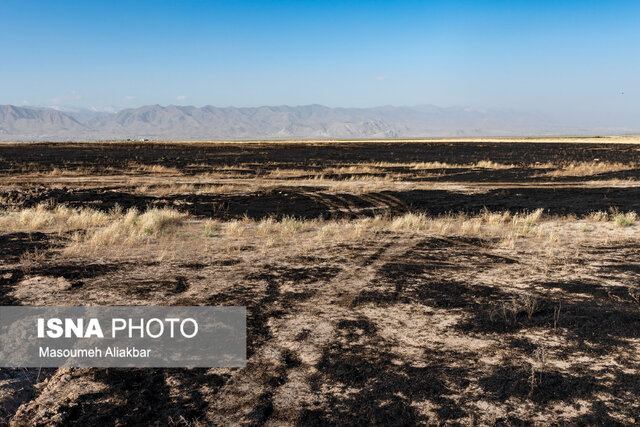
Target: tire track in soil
(277, 378)
(372, 202)
(378, 205)
(326, 201)
(391, 202)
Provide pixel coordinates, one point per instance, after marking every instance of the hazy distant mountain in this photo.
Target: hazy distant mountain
(29, 123)
(310, 121)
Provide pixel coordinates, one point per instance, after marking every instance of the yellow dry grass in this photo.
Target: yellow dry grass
(93, 229)
(184, 188)
(60, 218)
(583, 168)
(154, 169)
(366, 171)
(96, 233)
(482, 164)
(126, 229)
(503, 226)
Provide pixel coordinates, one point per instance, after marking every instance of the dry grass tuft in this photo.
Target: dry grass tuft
(487, 164)
(625, 220)
(212, 228)
(599, 216)
(118, 230)
(503, 227)
(159, 169)
(29, 260)
(284, 227)
(60, 218)
(482, 164)
(127, 229)
(621, 219)
(583, 168)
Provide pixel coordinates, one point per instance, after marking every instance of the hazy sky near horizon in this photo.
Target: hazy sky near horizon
(581, 56)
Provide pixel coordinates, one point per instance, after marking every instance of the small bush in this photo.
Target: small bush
(212, 228)
(30, 260)
(625, 220)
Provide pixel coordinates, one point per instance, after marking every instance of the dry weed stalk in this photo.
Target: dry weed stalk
(30, 260)
(530, 305)
(556, 316)
(537, 368)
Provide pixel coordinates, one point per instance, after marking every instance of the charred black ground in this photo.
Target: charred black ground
(569, 358)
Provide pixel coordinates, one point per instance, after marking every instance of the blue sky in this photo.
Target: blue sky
(543, 55)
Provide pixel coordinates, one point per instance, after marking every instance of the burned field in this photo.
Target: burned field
(392, 283)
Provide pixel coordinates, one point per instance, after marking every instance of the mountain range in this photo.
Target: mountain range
(174, 122)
